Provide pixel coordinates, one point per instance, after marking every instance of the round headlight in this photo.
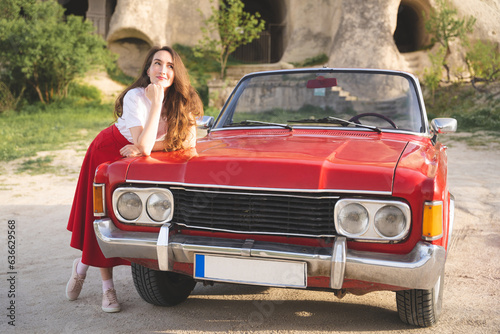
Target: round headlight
(353, 219)
(129, 206)
(390, 221)
(159, 206)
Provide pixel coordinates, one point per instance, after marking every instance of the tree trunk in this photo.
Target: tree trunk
(37, 86)
(38, 91)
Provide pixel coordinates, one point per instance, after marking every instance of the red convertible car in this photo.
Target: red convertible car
(309, 178)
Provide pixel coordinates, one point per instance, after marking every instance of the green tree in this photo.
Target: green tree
(444, 25)
(433, 74)
(483, 60)
(42, 51)
(234, 27)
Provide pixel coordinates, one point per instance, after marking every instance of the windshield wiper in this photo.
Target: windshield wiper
(250, 122)
(335, 120)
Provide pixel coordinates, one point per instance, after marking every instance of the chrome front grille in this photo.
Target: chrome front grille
(267, 212)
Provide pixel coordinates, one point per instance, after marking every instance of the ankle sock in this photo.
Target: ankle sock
(81, 269)
(107, 284)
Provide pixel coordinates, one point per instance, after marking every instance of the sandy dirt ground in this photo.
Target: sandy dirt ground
(36, 207)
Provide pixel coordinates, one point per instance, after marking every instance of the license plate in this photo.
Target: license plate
(250, 271)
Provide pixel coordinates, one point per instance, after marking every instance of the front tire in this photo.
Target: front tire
(162, 288)
(421, 307)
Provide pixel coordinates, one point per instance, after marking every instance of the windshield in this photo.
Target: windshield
(325, 98)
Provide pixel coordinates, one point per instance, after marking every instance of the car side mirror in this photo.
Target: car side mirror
(205, 122)
(444, 125)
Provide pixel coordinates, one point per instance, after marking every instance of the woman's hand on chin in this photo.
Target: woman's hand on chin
(155, 93)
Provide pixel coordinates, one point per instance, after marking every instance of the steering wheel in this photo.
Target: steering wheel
(356, 118)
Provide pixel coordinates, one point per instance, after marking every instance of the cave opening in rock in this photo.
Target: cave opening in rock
(75, 7)
(270, 46)
(405, 35)
(410, 34)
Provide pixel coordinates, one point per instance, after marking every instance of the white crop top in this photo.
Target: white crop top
(136, 107)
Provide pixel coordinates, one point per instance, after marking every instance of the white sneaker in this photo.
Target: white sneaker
(75, 283)
(110, 302)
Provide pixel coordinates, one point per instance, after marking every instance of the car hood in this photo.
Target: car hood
(362, 162)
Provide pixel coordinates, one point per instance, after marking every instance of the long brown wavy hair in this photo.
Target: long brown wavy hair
(181, 104)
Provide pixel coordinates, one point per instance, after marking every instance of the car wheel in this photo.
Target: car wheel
(162, 288)
(421, 307)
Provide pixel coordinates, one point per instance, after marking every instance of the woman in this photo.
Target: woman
(157, 112)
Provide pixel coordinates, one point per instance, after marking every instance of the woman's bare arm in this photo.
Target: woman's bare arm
(132, 150)
(145, 137)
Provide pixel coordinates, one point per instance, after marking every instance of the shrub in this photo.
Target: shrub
(316, 60)
(433, 74)
(7, 100)
(444, 25)
(473, 110)
(482, 119)
(483, 60)
(42, 51)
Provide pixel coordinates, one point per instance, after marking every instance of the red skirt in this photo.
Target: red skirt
(105, 148)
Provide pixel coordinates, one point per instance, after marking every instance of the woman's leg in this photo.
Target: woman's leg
(107, 279)
(81, 268)
(109, 300)
(106, 273)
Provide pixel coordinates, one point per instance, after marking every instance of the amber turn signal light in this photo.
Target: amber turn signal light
(432, 225)
(99, 207)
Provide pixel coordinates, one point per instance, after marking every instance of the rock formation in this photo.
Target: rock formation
(351, 33)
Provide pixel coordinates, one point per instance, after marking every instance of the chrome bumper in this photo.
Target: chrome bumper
(418, 269)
